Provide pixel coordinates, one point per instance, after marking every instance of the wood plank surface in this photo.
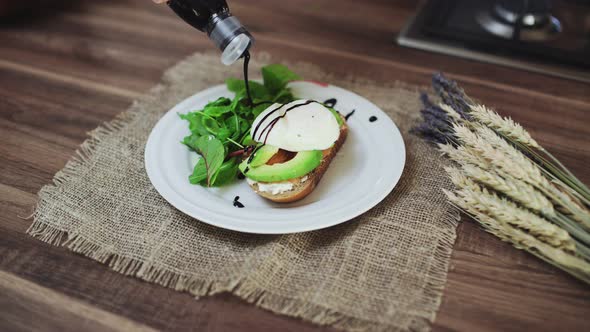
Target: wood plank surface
(67, 69)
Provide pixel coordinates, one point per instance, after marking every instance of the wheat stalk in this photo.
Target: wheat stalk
(517, 190)
(486, 143)
(488, 140)
(517, 135)
(502, 209)
(453, 115)
(534, 199)
(463, 155)
(520, 239)
(514, 162)
(505, 126)
(479, 169)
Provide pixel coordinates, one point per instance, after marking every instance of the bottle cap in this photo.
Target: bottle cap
(235, 49)
(231, 37)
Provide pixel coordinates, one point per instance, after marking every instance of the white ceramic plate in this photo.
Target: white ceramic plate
(364, 171)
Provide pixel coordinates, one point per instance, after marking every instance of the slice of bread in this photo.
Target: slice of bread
(304, 185)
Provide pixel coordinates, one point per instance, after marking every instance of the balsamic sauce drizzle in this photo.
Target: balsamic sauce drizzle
(268, 128)
(247, 82)
(237, 202)
(330, 102)
(250, 158)
(271, 125)
(349, 115)
(373, 119)
(252, 154)
(263, 119)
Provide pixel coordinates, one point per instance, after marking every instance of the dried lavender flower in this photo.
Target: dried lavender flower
(436, 125)
(452, 95)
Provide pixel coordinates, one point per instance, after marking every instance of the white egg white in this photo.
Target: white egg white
(309, 126)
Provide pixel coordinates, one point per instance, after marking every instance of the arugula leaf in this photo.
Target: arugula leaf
(223, 133)
(247, 140)
(210, 125)
(215, 111)
(189, 139)
(237, 125)
(212, 152)
(195, 120)
(257, 90)
(284, 96)
(276, 77)
(227, 173)
(199, 173)
(221, 101)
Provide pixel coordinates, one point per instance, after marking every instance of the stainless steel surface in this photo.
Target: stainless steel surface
(534, 27)
(448, 48)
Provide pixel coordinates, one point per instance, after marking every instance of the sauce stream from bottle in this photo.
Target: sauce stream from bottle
(247, 82)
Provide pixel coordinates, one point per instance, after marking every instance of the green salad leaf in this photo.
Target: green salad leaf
(199, 175)
(227, 173)
(276, 77)
(223, 125)
(212, 154)
(257, 90)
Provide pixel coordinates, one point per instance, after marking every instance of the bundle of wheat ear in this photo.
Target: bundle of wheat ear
(508, 182)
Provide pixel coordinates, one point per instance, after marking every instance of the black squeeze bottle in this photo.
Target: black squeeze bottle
(214, 18)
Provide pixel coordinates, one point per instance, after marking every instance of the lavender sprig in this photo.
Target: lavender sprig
(451, 94)
(436, 126)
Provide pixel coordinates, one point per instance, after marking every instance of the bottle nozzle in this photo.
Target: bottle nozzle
(214, 18)
(231, 37)
(236, 49)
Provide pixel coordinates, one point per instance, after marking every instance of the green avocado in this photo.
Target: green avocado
(262, 155)
(303, 163)
(337, 116)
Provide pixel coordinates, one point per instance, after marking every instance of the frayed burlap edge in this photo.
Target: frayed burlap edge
(244, 288)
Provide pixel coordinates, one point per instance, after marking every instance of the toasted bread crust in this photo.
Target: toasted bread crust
(301, 190)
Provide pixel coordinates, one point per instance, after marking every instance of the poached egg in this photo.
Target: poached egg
(301, 125)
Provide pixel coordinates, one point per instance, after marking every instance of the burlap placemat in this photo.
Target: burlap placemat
(384, 270)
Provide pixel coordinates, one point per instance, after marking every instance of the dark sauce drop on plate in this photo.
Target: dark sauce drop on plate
(330, 102)
(373, 119)
(237, 202)
(347, 116)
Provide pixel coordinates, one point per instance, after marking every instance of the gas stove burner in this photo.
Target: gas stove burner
(520, 20)
(517, 33)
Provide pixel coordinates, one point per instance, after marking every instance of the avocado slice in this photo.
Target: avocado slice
(303, 163)
(337, 116)
(262, 155)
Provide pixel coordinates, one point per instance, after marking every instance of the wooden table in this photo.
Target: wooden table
(65, 71)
